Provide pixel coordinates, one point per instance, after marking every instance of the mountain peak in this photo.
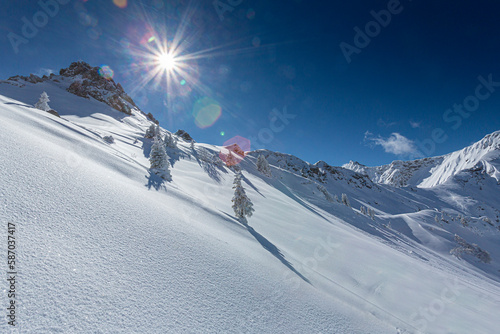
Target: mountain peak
(430, 172)
(90, 81)
(83, 80)
(491, 140)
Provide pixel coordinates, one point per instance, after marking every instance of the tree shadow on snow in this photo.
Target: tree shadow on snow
(154, 181)
(250, 184)
(269, 246)
(146, 146)
(19, 104)
(212, 170)
(278, 185)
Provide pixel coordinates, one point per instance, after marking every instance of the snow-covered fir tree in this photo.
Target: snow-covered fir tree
(371, 213)
(169, 140)
(159, 159)
(42, 103)
(345, 200)
(336, 198)
(242, 205)
(152, 131)
(325, 192)
(263, 166)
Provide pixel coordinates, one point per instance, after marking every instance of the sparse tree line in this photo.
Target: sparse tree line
(159, 165)
(443, 217)
(345, 201)
(472, 249)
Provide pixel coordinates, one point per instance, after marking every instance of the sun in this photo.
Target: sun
(167, 61)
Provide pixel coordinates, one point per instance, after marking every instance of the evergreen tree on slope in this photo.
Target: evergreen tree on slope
(159, 159)
(170, 141)
(242, 205)
(152, 131)
(42, 103)
(263, 166)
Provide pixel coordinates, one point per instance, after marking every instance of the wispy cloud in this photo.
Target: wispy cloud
(395, 144)
(44, 71)
(415, 125)
(385, 124)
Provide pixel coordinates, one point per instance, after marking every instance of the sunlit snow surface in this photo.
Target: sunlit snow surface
(106, 247)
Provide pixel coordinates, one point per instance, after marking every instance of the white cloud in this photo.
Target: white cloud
(396, 144)
(44, 71)
(415, 124)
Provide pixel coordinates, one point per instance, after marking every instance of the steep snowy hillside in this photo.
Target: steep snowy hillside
(430, 172)
(107, 246)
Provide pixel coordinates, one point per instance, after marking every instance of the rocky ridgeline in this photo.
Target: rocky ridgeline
(320, 171)
(397, 174)
(87, 82)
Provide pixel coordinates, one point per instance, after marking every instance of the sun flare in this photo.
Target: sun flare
(167, 61)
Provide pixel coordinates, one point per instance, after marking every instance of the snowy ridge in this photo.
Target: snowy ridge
(320, 171)
(430, 172)
(482, 153)
(101, 232)
(398, 173)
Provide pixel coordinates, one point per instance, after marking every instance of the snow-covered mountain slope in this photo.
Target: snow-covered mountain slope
(430, 172)
(106, 246)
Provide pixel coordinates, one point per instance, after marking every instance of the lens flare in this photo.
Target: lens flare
(166, 58)
(241, 142)
(120, 3)
(206, 112)
(106, 72)
(231, 155)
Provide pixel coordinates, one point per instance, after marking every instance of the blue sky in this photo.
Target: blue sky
(397, 95)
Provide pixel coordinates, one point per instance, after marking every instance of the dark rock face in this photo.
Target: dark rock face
(32, 78)
(152, 119)
(88, 83)
(53, 112)
(183, 134)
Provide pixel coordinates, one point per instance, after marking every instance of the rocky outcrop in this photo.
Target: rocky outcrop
(184, 135)
(89, 83)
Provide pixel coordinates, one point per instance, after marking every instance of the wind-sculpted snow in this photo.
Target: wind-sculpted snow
(108, 246)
